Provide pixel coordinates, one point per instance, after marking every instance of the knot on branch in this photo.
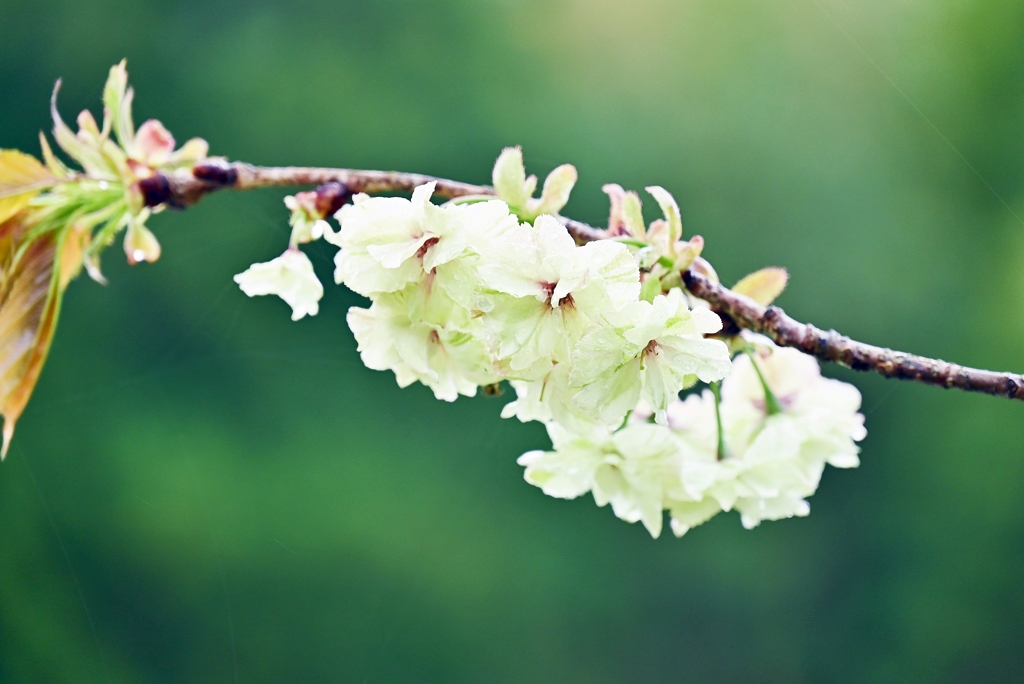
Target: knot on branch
(155, 190)
(216, 172)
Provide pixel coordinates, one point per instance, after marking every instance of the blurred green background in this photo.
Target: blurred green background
(203, 491)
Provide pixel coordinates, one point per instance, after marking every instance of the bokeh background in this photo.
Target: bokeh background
(203, 491)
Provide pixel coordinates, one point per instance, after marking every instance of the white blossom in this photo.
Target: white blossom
(547, 293)
(290, 277)
(421, 334)
(634, 469)
(548, 398)
(388, 243)
(772, 462)
(648, 351)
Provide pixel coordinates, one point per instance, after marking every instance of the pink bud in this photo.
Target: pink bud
(153, 144)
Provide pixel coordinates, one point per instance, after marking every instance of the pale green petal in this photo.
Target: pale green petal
(444, 251)
(552, 239)
(610, 396)
(548, 398)
(374, 338)
(707, 359)
(421, 194)
(290, 277)
(599, 352)
(753, 511)
(361, 273)
(689, 514)
(617, 270)
(393, 254)
(511, 281)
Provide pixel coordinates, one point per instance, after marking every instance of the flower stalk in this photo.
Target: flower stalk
(716, 390)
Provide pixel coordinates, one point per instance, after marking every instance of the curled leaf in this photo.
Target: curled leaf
(515, 188)
(626, 216)
(509, 177)
(671, 211)
(72, 254)
(82, 152)
(30, 296)
(557, 187)
(763, 286)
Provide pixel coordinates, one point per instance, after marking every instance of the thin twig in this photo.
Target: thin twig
(831, 346)
(185, 188)
(188, 187)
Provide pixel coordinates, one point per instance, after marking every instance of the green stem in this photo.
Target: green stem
(771, 402)
(723, 452)
(630, 241)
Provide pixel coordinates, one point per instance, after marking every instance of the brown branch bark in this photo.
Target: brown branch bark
(188, 187)
(831, 346)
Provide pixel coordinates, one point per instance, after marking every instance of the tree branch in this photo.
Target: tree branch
(831, 346)
(187, 187)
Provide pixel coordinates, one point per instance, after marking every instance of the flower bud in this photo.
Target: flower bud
(153, 144)
(155, 190)
(216, 171)
(140, 244)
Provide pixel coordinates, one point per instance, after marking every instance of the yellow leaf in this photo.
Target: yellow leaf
(72, 253)
(763, 286)
(21, 177)
(29, 303)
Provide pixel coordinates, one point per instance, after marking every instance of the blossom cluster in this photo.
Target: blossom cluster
(597, 340)
(741, 453)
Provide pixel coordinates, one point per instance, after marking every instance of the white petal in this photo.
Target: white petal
(289, 276)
